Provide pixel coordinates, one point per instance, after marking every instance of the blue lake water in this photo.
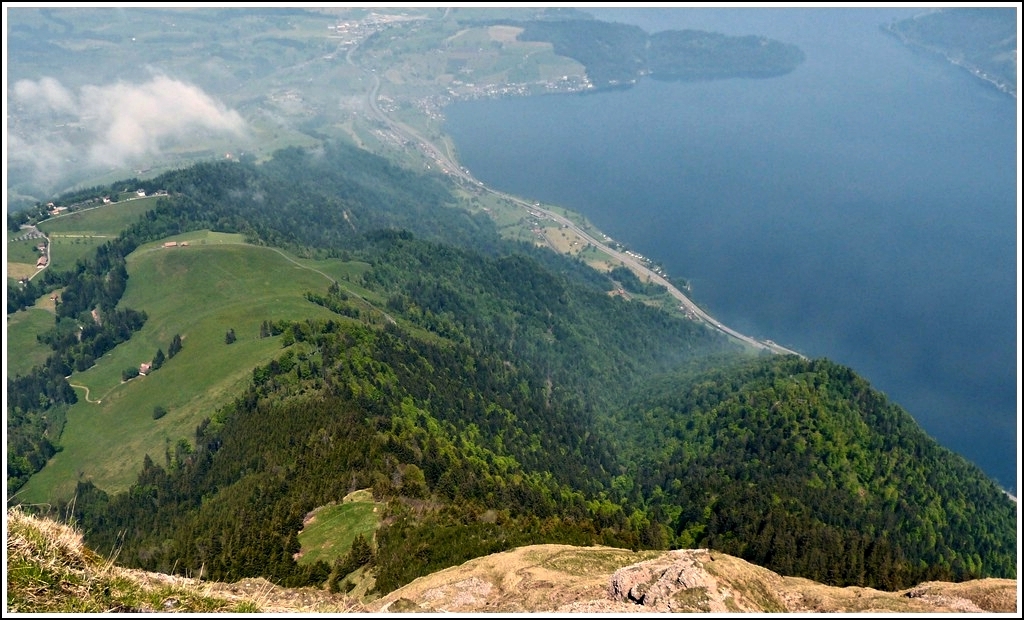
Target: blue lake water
(862, 208)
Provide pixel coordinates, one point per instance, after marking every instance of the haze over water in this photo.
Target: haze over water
(862, 208)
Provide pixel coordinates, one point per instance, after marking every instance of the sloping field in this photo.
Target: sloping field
(109, 219)
(23, 350)
(329, 531)
(199, 291)
(77, 235)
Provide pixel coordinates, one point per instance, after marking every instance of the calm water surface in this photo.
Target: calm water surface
(862, 208)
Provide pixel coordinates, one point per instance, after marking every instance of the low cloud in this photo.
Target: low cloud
(60, 132)
(47, 93)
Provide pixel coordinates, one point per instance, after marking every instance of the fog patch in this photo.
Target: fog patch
(110, 126)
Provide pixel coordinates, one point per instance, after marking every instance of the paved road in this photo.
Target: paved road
(453, 169)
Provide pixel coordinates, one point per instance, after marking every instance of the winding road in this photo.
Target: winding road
(453, 169)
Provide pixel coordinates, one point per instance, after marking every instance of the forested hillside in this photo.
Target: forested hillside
(497, 397)
(616, 54)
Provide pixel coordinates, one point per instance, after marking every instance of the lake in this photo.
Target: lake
(862, 208)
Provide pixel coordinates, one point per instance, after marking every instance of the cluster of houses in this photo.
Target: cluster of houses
(43, 258)
(54, 210)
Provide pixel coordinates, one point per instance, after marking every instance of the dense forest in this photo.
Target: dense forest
(509, 400)
(617, 54)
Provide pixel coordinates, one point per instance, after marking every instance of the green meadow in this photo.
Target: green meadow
(77, 235)
(22, 250)
(333, 528)
(65, 250)
(21, 256)
(109, 219)
(199, 291)
(24, 351)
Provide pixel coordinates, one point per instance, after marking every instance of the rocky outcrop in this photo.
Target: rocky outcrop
(564, 579)
(682, 581)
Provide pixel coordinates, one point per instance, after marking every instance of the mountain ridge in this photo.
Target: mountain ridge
(67, 576)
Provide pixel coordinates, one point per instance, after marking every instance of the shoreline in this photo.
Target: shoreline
(462, 176)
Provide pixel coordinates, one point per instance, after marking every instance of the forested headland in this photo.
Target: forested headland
(618, 54)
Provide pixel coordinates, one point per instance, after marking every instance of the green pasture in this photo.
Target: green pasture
(109, 219)
(66, 250)
(199, 291)
(23, 350)
(333, 528)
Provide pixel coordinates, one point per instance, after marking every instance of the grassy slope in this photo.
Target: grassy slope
(23, 350)
(72, 236)
(78, 234)
(108, 219)
(330, 533)
(199, 292)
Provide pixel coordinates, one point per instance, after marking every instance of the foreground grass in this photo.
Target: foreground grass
(50, 571)
(215, 284)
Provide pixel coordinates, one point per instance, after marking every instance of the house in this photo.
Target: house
(141, 193)
(41, 262)
(144, 368)
(106, 200)
(171, 244)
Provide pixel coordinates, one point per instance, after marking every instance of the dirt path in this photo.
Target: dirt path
(86, 388)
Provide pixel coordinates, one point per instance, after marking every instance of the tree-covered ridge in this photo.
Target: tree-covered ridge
(796, 465)
(572, 334)
(616, 54)
(983, 40)
(801, 467)
(697, 55)
(324, 198)
(348, 407)
(308, 201)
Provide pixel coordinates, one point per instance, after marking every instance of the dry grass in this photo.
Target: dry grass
(49, 570)
(504, 34)
(20, 270)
